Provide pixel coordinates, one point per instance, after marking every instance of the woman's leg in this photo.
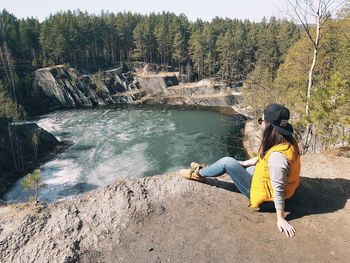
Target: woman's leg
(240, 176)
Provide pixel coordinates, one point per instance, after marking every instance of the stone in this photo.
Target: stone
(23, 147)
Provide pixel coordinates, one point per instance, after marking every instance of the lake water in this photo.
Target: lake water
(130, 142)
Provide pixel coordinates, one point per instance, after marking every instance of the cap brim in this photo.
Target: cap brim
(288, 130)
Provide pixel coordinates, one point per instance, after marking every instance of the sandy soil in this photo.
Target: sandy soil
(146, 73)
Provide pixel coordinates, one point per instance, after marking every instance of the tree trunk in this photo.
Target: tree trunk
(309, 128)
(312, 68)
(36, 193)
(12, 149)
(87, 58)
(2, 54)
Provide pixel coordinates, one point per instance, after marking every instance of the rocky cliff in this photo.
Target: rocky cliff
(169, 219)
(58, 87)
(22, 148)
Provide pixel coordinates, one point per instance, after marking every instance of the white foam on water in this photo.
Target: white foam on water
(124, 136)
(50, 124)
(171, 126)
(131, 163)
(60, 172)
(56, 175)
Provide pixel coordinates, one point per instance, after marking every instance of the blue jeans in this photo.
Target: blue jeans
(240, 176)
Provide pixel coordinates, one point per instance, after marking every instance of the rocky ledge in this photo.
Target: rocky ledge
(23, 146)
(169, 219)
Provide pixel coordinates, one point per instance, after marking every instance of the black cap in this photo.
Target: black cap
(278, 115)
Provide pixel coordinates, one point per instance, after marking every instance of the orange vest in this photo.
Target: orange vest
(261, 188)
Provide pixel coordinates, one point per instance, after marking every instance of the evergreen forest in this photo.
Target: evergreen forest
(269, 60)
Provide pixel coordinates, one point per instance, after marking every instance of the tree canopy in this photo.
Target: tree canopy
(230, 47)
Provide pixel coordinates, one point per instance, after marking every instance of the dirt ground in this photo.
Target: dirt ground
(214, 224)
(166, 218)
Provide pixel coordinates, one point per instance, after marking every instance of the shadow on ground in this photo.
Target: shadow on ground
(313, 196)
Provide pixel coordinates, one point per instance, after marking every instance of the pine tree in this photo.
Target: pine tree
(33, 182)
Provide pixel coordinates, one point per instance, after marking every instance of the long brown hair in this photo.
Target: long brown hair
(272, 137)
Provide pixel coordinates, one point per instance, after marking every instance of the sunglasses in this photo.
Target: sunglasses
(260, 120)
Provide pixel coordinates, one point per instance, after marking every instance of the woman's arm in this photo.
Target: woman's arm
(279, 169)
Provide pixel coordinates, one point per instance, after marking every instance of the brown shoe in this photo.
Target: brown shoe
(193, 173)
(194, 165)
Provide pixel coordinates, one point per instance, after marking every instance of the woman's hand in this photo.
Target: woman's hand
(250, 162)
(284, 226)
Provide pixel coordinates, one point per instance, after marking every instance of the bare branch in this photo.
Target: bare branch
(312, 8)
(287, 12)
(326, 19)
(306, 12)
(300, 17)
(337, 6)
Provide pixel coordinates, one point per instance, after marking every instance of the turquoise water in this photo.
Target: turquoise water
(130, 142)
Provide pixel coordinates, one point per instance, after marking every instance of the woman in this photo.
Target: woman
(273, 175)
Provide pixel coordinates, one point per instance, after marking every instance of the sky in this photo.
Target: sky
(253, 10)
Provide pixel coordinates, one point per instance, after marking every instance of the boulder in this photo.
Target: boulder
(22, 148)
